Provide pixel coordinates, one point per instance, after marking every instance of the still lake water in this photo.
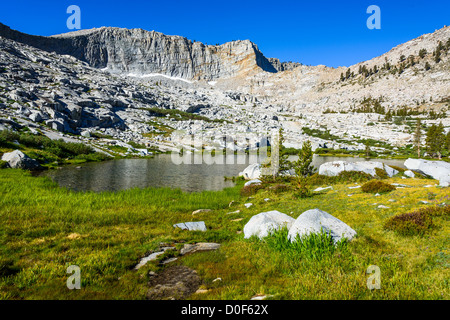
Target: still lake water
(161, 171)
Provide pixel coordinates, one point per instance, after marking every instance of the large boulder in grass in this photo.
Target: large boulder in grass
(19, 160)
(262, 224)
(439, 170)
(252, 172)
(316, 221)
(336, 167)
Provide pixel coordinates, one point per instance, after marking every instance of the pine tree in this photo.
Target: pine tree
(418, 136)
(283, 163)
(447, 142)
(427, 66)
(367, 150)
(303, 166)
(435, 139)
(422, 53)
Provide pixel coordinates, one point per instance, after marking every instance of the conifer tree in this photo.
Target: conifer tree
(418, 136)
(303, 166)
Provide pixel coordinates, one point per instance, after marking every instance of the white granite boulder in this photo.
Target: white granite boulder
(336, 167)
(19, 160)
(263, 223)
(315, 220)
(252, 172)
(409, 174)
(439, 170)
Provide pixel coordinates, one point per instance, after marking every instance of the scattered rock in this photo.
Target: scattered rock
(237, 211)
(73, 236)
(248, 205)
(251, 182)
(261, 297)
(191, 226)
(261, 224)
(201, 211)
(409, 174)
(312, 221)
(252, 172)
(152, 257)
(169, 260)
(201, 246)
(382, 207)
(322, 189)
(19, 160)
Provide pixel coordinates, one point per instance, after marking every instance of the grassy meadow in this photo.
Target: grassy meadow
(45, 228)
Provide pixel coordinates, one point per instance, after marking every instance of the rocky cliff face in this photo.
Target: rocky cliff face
(141, 52)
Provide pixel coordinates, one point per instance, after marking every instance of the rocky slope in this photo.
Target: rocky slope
(141, 52)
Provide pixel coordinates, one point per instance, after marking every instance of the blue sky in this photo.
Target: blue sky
(333, 33)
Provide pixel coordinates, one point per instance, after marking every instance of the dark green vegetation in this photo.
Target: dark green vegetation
(376, 186)
(418, 222)
(46, 151)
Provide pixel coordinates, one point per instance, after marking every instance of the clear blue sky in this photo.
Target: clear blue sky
(313, 32)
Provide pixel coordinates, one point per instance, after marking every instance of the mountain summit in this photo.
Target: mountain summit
(142, 52)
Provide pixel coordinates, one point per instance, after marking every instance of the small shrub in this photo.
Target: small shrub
(376, 186)
(381, 173)
(251, 189)
(301, 189)
(412, 223)
(279, 188)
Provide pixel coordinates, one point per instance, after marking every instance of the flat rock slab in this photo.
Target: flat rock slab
(315, 220)
(251, 182)
(201, 211)
(263, 223)
(177, 282)
(201, 246)
(152, 257)
(336, 167)
(191, 226)
(439, 170)
(322, 189)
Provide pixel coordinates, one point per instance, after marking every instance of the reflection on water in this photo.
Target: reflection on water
(161, 172)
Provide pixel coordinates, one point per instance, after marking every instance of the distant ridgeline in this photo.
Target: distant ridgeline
(141, 52)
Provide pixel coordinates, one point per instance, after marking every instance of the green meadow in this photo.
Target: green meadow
(45, 228)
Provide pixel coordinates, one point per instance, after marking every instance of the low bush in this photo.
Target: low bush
(376, 186)
(250, 190)
(279, 188)
(412, 223)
